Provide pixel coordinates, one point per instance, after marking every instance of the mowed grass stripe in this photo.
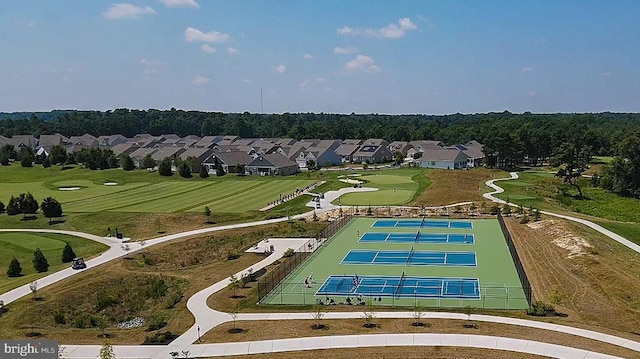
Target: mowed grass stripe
(177, 203)
(178, 190)
(144, 194)
(91, 193)
(256, 198)
(238, 187)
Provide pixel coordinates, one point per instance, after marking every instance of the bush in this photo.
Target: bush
(46, 163)
(12, 207)
(165, 168)
(232, 255)
(156, 320)
(58, 318)
(103, 300)
(2, 207)
(203, 172)
(289, 252)
(15, 270)
(540, 309)
(524, 219)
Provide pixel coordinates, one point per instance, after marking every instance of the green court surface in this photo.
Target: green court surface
(499, 285)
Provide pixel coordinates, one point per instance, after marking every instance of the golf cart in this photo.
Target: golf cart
(78, 263)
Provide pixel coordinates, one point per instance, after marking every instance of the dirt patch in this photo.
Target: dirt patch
(599, 290)
(395, 352)
(272, 329)
(559, 235)
(455, 186)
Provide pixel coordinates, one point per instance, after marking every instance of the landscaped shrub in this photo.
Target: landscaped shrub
(58, 318)
(2, 207)
(15, 270)
(289, 252)
(524, 219)
(104, 300)
(40, 263)
(540, 309)
(68, 254)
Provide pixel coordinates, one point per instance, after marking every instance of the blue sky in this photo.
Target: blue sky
(402, 56)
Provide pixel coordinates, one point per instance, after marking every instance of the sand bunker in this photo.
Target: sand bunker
(562, 238)
(350, 181)
(69, 188)
(111, 183)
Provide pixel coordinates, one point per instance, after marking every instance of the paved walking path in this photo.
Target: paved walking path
(352, 341)
(207, 318)
(514, 175)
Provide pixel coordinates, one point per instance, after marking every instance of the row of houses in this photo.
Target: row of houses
(262, 156)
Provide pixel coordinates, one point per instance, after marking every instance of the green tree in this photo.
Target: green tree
(68, 254)
(4, 160)
(9, 151)
(207, 213)
(58, 155)
(164, 169)
(193, 163)
(26, 159)
(46, 163)
(127, 163)
(40, 263)
(51, 208)
(398, 157)
(184, 170)
(203, 172)
(12, 207)
(572, 158)
(15, 270)
(239, 169)
(148, 162)
(234, 284)
(2, 207)
(219, 169)
(27, 204)
(623, 175)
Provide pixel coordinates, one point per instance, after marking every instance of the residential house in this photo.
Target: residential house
(208, 141)
(123, 149)
(330, 144)
(352, 141)
(400, 146)
(228, 140)
(139, 154)
(111, 140)
(375, 142)
(49, 141)
(346, 152)
(272, 164)
(445, 158)
(292, 152)
(85, 140)
(200, 154)
(228, 161)
(167, 152)
(324, 157)
(473, 149)
(20, 141)
(373, 154)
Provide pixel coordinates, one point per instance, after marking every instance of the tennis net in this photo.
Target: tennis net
(415, 240)
(410, 255)
(400, 283)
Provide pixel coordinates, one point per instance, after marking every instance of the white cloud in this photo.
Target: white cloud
(605, 74)
(525, 69)
(307, 57)
(208, 49)
(192, 34)
(200, 80)
(245, 81)
(233, 50)
(531, 93)
(30, 23)
(180, 3)
(127, 11)
(279, 69)
(362, 63)
(348, 50)
(147, 62)
(318, 80)
(391, 31)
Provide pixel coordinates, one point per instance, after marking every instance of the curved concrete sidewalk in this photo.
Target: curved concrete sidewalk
(353, 341)
(514, 175)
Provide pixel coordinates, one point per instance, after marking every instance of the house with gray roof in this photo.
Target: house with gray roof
(200, 154)
(346, 152)
(111, 140)
(445, 158)
(325, 157)
(352, 141)
(228, 161)
(19, 141)
(373, 154)
(52, 140)
(208, 141)
(139, 154)
(271, 165)
(123, 149)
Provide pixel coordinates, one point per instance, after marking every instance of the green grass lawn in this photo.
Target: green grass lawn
(140, 191)
(394, 188)
(22, 245)
(630, 231)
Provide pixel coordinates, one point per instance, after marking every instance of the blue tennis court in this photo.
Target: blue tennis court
(412, 257)
(401, 286)
(414, 223)
(440, 238)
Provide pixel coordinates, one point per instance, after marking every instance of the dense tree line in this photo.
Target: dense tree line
(533, 132)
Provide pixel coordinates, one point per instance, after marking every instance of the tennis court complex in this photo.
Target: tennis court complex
(401, 287)
(413, 223)
(454, 238)
(407, 262)
(410, 258)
